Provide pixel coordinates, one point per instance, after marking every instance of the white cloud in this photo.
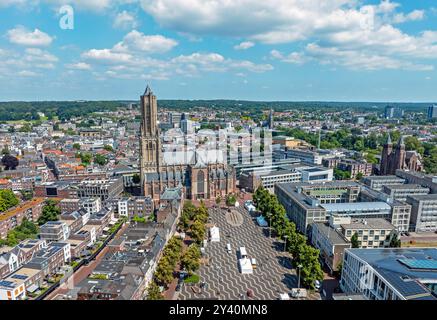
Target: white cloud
(36, 38)
(79, 66)
(135, 40)
(27, 73)
(107, 55)
(415, 15)
(244, 45)
(125, 20)
(342, 25)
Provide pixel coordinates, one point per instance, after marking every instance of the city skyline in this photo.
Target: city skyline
(371, 51)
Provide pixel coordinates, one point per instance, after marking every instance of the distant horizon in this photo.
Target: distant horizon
(226, 99)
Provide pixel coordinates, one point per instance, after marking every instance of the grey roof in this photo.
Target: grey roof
(424, 197)
(355, 206)
(331, 233)
(371, 223)
(411, 283)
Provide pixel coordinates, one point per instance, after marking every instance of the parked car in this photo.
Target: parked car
(318, 285)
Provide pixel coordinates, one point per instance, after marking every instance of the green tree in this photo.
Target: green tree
(341, 174)
(85, 157)
(164, 271)
(76, 146)
(108, 148)
(198, 231)
(7, 200)
(191, 259)
(395, 242)
(359, 176)
(153, 292)
(311, 269)
(50, 212)
(100, 159)
(218, 200)
(231, 200)
(354, 241)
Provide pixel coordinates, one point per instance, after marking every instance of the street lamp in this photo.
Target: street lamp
(298, 279)
(285, 244)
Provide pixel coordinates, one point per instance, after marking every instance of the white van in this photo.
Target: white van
(228, 248)
(243, 253)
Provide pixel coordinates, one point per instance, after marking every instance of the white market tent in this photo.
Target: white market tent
(245, 266)
(214, 234)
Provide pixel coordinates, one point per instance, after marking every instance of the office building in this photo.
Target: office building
(377, 182)
(390, 274)
(423, 212)
(432, 112)
(400, 192)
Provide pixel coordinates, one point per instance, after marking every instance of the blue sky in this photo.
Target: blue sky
(337, 50)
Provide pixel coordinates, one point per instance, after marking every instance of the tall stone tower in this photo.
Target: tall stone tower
(400, 155)
(150, 143)
(385, 157)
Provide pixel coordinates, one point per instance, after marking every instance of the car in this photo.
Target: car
(318, 285)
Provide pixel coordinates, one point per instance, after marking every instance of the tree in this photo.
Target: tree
(198, 231)
(50, 212)
(359, 176)
(108, 148)
(7, 199)
(191, 258)
(76, 146)
(218, 200)
(311, 269)
(341, 174)
(85, 158)
(153, 292)
(230, 200)
(164, 271)
(100, 159)
(136, 178)
(354, 241)
(10, 162)
(395, 242)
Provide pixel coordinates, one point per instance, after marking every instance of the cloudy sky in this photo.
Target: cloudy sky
(341, 50)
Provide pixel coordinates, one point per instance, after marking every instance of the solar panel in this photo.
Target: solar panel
(8, 284)
(19, 276)
(421, 264)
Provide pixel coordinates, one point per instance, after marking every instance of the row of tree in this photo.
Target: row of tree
(86, 158)
(50, 212)
(193, 220)
(26, 230)
(305, 257)
(7, 200)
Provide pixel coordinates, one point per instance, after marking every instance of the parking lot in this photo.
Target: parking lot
(274, 274)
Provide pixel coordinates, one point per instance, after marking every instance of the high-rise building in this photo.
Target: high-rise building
(393, 112)
(150, 141)
(432, 112)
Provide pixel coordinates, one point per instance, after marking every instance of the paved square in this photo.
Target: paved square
(274, 274)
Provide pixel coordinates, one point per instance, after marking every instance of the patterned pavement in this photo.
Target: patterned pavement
(274, 274)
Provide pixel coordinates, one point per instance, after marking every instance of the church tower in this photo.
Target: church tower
(386, 157)
(400, 155)
(150, 143)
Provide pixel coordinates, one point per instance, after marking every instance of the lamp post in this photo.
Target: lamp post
(298, 279)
